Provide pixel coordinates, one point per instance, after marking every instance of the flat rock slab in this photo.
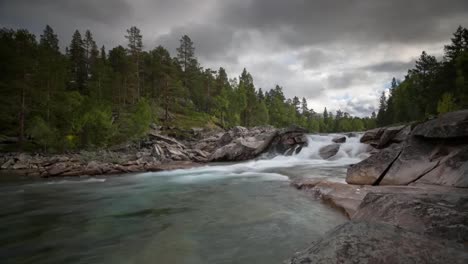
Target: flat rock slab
(441, 213)
(364, 242)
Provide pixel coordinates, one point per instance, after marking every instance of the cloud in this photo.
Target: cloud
(390, 66)
(338, 54)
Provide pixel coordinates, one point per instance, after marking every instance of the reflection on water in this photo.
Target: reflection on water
(240, 213)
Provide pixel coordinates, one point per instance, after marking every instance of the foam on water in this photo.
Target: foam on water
(352, 151)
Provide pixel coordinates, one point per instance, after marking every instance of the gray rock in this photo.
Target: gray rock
(388, 135)
(372, 136)
(416, 159)
(403, 134)
(451, 171)
(370, 170)
(442, 213)
(450, 125)
(329, 151)
(340, 139)
(364, 242)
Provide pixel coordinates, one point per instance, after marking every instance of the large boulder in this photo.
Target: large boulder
(372, 169)
(450, 125)
(365, 242)
(339, 139)
(288, 141)
(329, 151)
(417, 158)
(241, 149)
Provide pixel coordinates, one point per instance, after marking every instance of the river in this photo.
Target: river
(222, 213)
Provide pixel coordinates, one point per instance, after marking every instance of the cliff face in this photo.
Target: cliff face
(408, 202)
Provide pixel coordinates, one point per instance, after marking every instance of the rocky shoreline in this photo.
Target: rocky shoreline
(407, 202)
(158, 152)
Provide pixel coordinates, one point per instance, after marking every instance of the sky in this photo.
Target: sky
(337, 54)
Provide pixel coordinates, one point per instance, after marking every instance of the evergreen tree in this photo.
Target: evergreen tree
(135, 47)
(77, 64)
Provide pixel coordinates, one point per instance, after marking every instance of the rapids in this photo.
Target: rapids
(222, 213)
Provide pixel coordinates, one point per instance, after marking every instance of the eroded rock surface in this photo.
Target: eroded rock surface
(370, 242)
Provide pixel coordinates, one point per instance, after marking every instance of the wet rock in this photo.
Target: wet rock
(340, 139)
(372, 169)
(365, 242)
(450, 125)
(329, 151)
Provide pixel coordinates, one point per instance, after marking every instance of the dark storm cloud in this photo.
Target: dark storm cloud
(312, 48)
(390, 66)
(210, 41)
(98, 11)
(321, 21)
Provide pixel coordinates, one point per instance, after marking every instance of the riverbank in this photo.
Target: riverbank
(158, 152)
(407, 202)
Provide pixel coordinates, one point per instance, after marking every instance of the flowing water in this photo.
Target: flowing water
(223, 213)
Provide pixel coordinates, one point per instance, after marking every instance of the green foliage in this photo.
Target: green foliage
(88, 98)
(42, 133)
(446, 104)
(432, 87)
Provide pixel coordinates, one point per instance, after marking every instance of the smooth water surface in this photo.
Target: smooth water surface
(235, 213)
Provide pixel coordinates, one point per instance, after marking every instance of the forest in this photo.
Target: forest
(431, 88)
(89, 97)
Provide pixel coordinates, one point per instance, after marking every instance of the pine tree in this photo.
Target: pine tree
(77, 64)
(382, 108)
(135, 47)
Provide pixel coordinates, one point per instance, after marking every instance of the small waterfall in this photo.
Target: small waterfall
(352, 148)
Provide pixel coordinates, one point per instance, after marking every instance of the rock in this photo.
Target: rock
(403, 134)
(288, 140)
(343, 196)
(388, 135)
(8, 164)
(441, 213)
(451, 171)
(365, 242)
(370, 170)
(416, 159)
(352, 134)
(372, 136)
(240, 149)
(59, 168)
(329, 151)
(450, 125)
(340, 139)
(169, 140)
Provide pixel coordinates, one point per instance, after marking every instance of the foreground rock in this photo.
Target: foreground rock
(408, 201)
(366, 242)
(391, 215)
